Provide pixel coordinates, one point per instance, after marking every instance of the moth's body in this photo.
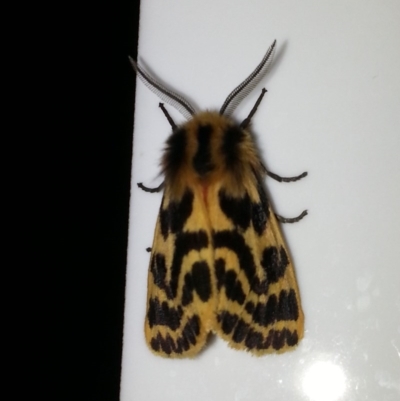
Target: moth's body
(218, 261)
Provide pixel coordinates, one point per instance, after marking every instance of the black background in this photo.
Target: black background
(87, 169)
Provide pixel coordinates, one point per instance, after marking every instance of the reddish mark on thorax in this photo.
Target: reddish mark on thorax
(205, 193)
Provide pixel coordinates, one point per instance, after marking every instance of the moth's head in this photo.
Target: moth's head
(209, 146)
(213, 120)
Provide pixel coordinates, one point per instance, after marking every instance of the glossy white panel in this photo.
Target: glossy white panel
(333, 109)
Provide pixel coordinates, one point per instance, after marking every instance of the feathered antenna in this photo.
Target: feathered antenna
(242, 90)
(170, 97)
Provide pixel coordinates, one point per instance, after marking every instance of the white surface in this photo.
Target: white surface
(333, 109)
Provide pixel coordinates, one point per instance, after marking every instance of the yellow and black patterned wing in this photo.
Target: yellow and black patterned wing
(181, 284)
(259, 306)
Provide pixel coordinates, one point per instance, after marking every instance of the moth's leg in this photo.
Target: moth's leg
(247, 120)
(152, 190)
(291, 220)
(285, 179)
(166, 114)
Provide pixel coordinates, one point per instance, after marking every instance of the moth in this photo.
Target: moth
(218, 261)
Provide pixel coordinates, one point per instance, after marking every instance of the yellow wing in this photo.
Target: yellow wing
(181, 298)
(259, 306)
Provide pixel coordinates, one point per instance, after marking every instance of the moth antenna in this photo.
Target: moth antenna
(242, 90)
(168, 96)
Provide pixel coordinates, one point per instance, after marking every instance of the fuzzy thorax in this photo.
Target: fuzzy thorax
(210, 148)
